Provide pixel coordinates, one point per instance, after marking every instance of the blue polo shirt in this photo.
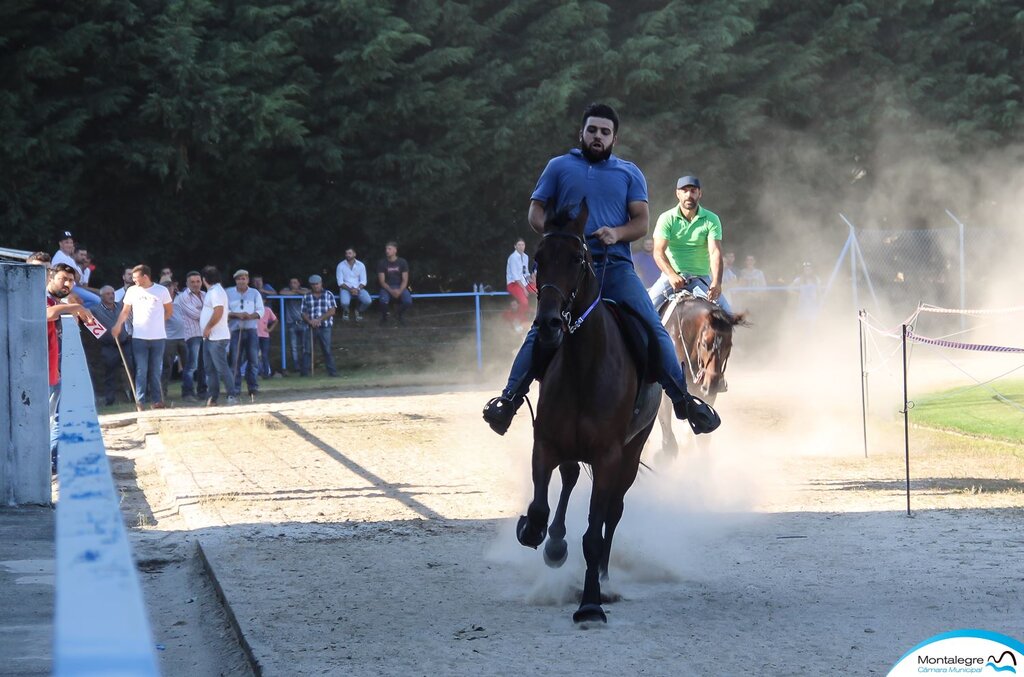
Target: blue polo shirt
(609, 186)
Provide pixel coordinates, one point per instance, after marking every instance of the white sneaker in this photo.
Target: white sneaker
(232, 400)
(359, 316)
(344, 316)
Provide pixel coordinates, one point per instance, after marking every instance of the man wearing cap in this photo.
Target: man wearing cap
(615, 191)
(66, 255)
(245, 306)
(688, 248)
(318, 308)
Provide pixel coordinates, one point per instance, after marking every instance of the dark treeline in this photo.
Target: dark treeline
(272, 134)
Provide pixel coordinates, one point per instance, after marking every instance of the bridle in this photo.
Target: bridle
(704, 354)
(565, 311)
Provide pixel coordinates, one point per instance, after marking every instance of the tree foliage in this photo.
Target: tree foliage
(274, 133)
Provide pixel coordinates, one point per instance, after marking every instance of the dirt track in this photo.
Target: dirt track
(371, 533)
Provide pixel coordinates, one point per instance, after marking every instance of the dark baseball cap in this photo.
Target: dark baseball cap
(65, 235)
(685, 181)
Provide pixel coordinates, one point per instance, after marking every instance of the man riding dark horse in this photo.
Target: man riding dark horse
(615, 192)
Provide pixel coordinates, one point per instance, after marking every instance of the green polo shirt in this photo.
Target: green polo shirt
(688, 240)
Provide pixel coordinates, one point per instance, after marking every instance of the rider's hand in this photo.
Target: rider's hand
(677, 281)
(714, 292)
(607, 236)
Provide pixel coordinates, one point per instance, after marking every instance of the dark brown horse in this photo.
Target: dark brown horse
(593, 407)
(702, 334)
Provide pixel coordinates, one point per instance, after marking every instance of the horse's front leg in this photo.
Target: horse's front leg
(533, 526)
(593, 544)
(556, 550)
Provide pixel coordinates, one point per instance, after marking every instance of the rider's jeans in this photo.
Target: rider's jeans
(661, 289)
(622, 285)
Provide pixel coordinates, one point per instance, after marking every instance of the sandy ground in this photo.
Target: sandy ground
(371, 533)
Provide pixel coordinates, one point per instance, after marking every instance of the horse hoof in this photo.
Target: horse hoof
(527, 535)
(589, 613)
(555, 553)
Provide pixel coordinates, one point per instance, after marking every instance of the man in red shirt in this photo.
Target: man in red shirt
(62, 279)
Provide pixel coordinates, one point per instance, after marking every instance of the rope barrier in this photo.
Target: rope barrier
(927, 308)
(961, 346)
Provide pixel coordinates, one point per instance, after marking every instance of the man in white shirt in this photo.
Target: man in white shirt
(189, 305)
(66, 254)
(126, 277)
(245, 307)
(213, 320)
(150, 307)
(351, 274)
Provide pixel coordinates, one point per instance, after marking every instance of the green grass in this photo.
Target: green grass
(975, 411)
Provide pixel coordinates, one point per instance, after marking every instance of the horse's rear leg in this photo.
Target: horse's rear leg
(556, 550)
(533, 526)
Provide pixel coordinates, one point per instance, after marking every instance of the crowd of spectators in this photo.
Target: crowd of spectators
(210, 334)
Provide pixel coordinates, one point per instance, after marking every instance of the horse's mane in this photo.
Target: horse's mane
(721, 319)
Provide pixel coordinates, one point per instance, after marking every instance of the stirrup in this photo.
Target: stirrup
(701, 416)
(499, 413)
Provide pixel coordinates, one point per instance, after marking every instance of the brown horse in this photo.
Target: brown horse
(593, 407)
(702, 334)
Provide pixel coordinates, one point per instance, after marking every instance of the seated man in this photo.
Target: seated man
(688, 248)
(393, 276)
(616, 195)
(351, 276)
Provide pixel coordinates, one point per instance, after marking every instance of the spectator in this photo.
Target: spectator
(750, 275)
(39, 258)
(175, 346)
(293, 322)
(149, 306)
(245, 306)
(806, 284)
(393, 276)
(126, 278)
(517, 282)
(265, 325)
(60, 281)
(728, 270)
(262, 287)
(216, 336)
(646, 266)
(318, 308)
(84, 261)
(351, 276)
(189, 306)
(166, 276)
(107, 313)
(66, 255)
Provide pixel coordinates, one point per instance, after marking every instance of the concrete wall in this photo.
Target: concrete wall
(24, 391)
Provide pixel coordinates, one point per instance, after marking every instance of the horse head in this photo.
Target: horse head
(563, 261)
(709, 343)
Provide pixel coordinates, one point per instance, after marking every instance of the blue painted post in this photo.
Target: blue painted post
(477, 288)
(284, 332)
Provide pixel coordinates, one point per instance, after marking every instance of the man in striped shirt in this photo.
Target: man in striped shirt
(189, 305)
